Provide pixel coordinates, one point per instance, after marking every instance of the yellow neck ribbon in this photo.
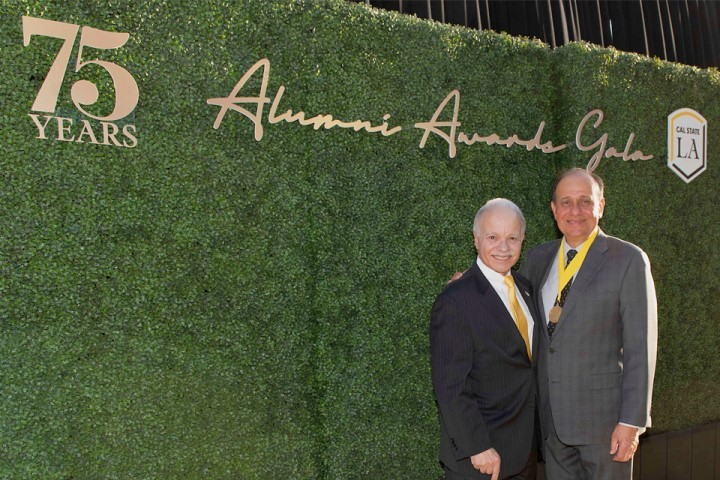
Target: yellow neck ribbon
(566, 273)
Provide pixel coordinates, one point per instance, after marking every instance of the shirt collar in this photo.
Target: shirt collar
(490, 274)
(579, 247)
(568, 247)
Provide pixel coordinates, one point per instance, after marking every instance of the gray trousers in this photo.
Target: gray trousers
(581, 462)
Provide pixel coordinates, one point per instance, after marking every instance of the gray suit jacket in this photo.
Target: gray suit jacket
(598, 369)
(484, 381)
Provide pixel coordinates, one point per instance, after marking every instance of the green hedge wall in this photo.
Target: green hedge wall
(205, 305)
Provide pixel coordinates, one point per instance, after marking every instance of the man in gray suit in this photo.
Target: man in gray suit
(598, 338)
(482, 337)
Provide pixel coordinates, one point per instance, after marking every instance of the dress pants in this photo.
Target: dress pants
(581, 462)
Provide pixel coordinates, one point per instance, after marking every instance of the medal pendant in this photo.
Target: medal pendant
(555, 314)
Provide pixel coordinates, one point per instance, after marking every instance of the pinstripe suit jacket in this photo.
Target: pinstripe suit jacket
(484, 381)
(598, 369)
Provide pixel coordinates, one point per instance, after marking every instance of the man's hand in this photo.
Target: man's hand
(623, 443)
(487, 462)
(456, 275)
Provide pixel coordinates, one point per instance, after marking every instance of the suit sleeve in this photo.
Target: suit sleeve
(451, 348)
(638, 313)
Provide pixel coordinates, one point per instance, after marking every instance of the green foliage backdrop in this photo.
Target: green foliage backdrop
(206, 305)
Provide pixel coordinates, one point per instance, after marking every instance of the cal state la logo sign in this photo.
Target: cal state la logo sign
(687, 143)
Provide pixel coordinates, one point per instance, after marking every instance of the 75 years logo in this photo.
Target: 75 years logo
(97, 129)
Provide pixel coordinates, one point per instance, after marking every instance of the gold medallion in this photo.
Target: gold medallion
(555, 314)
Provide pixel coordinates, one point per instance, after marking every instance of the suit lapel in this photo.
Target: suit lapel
(590, 267)
(550, 255)
(549, 259)
(524, 288)
(497, 309)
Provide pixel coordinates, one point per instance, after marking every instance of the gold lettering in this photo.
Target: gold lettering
(601, 142)
(611, 152)
(447, 130)
(63, 129)
(86, 130)
(433, 124)
(40, 127)
(529, 145)
(327, 121)
(231, 101)
(319, 121)
(129, 132)
(546, 147)
(109, 132)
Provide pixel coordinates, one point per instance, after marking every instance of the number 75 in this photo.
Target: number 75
(83, 92)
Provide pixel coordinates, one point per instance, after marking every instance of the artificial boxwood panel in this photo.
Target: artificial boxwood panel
(205, 305)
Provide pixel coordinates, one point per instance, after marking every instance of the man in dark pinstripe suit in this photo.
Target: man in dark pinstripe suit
(483, 331)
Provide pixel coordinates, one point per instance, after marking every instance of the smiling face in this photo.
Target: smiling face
(499, 239)
(577, 206)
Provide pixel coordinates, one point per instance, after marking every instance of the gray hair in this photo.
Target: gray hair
(494, 204)
(579, 171)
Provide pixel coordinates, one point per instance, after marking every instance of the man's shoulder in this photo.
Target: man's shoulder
(624, 247)
(467, 283)
(536, 261)
(540, 252)
(552, 245)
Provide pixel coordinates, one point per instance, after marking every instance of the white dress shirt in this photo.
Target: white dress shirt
(549, 291)
(497, 280)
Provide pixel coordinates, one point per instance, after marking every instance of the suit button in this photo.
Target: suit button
(531, 404)
(551, 350)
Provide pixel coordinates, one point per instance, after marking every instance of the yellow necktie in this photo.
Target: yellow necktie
(517, 313)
